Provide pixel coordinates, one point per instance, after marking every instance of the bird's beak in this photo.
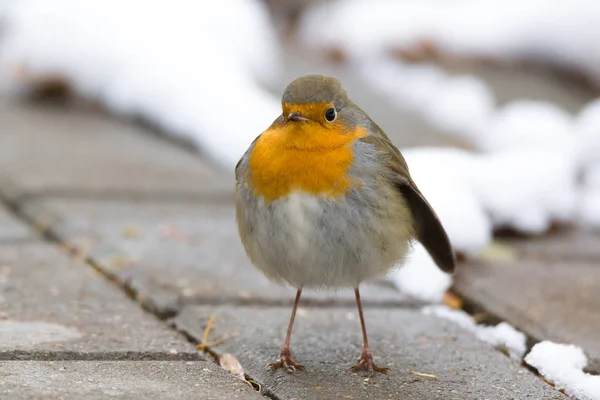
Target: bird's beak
(296, 116)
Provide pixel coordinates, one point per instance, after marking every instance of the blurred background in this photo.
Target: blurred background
(493, 104)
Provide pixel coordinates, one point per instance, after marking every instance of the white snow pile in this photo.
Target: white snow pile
(550, 31)
(588, 128)
(192, 68)
(465, 106)
(562, 365)
(502, 336)
(419, 277)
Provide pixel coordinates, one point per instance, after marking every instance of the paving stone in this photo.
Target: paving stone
(54, 307)
(565, 245)
(79, 152)
(548, 300)
(122, 380)
(174, 252)
(11, 229)
(328, 341)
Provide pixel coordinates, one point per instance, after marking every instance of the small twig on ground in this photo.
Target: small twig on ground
(220, 340)
(205, 343)
(424, 375)
(226, 361)
(202, 344)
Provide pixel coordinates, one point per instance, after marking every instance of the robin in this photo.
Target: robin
(325, 200)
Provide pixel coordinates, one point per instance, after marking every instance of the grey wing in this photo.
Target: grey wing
(428, 227)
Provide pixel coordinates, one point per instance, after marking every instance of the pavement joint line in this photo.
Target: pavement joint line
(214, 356)
(122, 195)
(312, 303)
(23, 355)
(17, 241)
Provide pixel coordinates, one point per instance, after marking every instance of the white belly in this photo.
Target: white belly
(310, 241)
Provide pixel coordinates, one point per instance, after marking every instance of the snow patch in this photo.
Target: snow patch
(562, 365)
(197, 76)
(442, 176)
(419, 277)
(526, 123)
(526, 189)
(589, 209)
(549, 31)
(587, 129)
(460, 105)
(502, 336)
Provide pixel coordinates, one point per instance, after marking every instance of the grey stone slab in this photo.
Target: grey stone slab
(328, 341)
(176, 252)
(94, 380)
(82, 152)
(562, 245)
(11, 229)
(557, 301)
(54, 307)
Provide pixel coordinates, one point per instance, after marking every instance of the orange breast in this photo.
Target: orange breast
(303, 157)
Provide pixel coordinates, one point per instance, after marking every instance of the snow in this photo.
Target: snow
(591, 178)
(419, 277)
(460, 105)
(465, 106)
(589, 209)
(502, 336)
(562, 365)
(550, 31)
(527, 123)
(587, 128)
(442, 176)
(526, 189)
(199, 76)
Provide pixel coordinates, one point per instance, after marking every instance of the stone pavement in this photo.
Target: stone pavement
(551, 290)
(116, 247)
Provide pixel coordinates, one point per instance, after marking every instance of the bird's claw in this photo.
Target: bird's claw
(365, 363)
(286, 362)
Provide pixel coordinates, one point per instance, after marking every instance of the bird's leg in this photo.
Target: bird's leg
(365, 362)
(285, 358)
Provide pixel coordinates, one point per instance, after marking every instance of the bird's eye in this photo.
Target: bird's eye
(330, 114)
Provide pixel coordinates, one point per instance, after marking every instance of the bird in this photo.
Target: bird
(324, 200)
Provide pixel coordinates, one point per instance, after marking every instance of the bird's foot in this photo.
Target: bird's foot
(365, 363)
(286, 362)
